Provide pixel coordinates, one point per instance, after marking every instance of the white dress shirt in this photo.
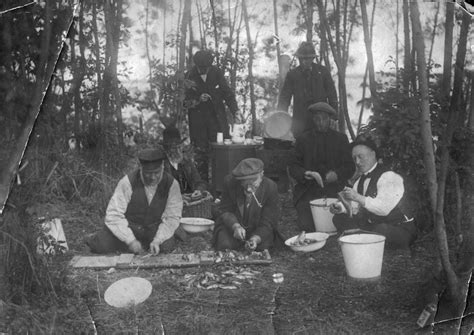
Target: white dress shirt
(115, 214)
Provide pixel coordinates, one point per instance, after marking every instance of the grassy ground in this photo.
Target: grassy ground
(316, 296)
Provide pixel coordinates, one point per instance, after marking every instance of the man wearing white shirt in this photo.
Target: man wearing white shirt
(144, 211)
(375, 199)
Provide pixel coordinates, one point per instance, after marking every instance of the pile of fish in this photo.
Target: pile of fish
(230, 279)
(232, 256)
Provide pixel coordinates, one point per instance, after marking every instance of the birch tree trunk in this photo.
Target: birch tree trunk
(250, 65)
(275, 22)
(407, 50)
(448, 52)
(368, 49)
(436, 190)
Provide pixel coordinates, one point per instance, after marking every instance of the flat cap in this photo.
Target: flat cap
(203, 58)
(247, 168)
(150, 159)
(366, 141)
(306, 50)
(322, 107)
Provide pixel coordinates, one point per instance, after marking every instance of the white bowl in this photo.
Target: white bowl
(196, 225)
(318, 236)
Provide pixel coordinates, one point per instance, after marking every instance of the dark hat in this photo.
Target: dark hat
(322, 107)
(171, 136)
(366, 141)
(306, 49)
(203, 58)
(151, 159)
(248, 168)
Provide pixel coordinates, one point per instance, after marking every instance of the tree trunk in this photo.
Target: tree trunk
(250, 66)
(163, 60)
(436, 190)
(98, 70)
(448, 52)
(407, 53)
(471, 104)
(202, 34)
(275, 22)
(216, 36)
(368, 49)
(182, 55)
(433, 35)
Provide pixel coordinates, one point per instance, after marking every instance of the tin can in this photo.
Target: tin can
(427, 315)
(278, 278)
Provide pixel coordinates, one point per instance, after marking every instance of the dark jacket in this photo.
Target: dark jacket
(397, 215)
(261, 221)
(186, 175)
(321, 152)
(145, 218)
(216, 86)
(306, 88)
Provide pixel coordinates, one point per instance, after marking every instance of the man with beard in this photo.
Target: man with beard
(144, 211)
(206, 95)
(306, 84)
(321, 164)
(249, 210)
(182, 168)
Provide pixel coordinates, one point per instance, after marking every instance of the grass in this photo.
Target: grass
(316, 296)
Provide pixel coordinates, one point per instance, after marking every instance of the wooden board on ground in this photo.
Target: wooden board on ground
(127, 261)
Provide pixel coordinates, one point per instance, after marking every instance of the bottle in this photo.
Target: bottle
(427, 315)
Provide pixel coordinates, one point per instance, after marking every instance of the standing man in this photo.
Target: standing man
(306, 84)
(206, 95)
(144, 211)
(321, 164)
(375, 199)
(249, 210)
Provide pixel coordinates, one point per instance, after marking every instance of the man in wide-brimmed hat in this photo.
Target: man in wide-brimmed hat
(144, 211)
(182, 168)
(321, 164)
(249, 211)
(375, 200)
(207, 93)
(306, 84)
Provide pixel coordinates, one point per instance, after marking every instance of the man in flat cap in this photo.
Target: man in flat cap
(249, 211)
(206, 95)
(321, 163)
(306, 84)
(144, 211)
(375, 200)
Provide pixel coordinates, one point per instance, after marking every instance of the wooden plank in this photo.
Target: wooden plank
(98, 262)
(124, 260)
(166, 261)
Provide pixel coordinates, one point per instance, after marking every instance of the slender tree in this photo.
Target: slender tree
(407, 48)
(250, 65)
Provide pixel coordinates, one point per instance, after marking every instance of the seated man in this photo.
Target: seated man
(321, 164)
(375, 199)
(179, 166)
(144, 210)
(249, 210)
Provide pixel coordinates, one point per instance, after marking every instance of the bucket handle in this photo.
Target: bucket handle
(358, 231)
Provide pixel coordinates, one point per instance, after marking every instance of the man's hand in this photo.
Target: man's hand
(314, 175)
(239, 232)
(204, 97)
(351, 194)
(252, 243)
(136, 247)
(155, 247)
(336, 207)
(331, 177)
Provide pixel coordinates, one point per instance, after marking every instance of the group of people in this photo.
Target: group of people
(145, 209)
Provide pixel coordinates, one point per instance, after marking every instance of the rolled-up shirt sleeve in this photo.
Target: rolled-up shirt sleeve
(115, 214)
(390, 191)
(171, 215)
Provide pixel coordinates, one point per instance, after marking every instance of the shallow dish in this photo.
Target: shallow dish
(318, 236)
(196, 225)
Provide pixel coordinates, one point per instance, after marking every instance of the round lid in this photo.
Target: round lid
(128, 292)
(277, 125)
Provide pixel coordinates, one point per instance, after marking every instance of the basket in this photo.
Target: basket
(201, 208)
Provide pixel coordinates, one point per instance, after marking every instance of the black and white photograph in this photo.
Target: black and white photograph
(236, 167)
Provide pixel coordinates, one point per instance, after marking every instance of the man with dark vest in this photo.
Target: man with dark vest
(375, 200)
(306, 84)
(320, 165)
(249, 211)
(144, 211)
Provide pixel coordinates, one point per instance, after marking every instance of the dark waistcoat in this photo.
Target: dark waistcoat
(144, 218)
(397, 215)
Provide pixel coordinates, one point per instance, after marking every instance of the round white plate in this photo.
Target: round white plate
(128, 292)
